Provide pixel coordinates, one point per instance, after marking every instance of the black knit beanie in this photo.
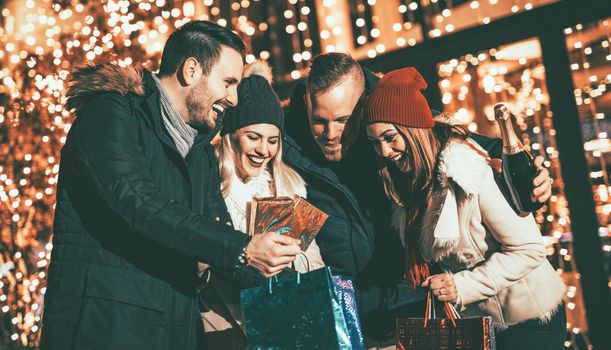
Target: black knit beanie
(257, 104)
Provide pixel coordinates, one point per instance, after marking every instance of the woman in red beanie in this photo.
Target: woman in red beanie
(449, 210)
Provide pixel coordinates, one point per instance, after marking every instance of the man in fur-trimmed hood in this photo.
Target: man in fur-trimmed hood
(138, 195)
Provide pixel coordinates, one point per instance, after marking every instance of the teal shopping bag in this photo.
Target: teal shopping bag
(300, 311)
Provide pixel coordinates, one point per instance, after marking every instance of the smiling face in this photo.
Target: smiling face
(388, 143)
(329, 113)
(208, 100)
(255, 146)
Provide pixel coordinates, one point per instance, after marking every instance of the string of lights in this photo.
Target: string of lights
(43, 40)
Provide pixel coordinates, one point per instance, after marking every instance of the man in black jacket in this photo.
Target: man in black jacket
(138, 190)
(331, 152)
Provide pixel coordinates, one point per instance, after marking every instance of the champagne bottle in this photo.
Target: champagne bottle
(518, 165)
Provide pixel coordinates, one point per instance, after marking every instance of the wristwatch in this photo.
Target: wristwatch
(243, 258)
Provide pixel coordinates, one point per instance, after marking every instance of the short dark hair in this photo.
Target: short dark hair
(201, 40)
(329, 69)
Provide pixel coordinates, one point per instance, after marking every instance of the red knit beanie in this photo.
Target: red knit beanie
(397, 100)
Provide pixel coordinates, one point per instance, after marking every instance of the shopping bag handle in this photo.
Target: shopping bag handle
(270, 281)
(430, 313)
(269, 286)
(307, 261)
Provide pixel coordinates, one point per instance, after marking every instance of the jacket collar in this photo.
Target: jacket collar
(150, 105)
(460, 170)
(137, 85)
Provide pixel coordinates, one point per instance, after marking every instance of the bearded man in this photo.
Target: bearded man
(137, 196)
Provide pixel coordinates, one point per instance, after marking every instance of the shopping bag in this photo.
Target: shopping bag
(344, 289)
(297, 312)
(450, 333)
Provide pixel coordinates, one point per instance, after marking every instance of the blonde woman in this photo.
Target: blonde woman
(451, 211)
(250, 155)
(251, 166)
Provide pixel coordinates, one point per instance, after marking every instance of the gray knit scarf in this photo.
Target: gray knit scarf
(181, 133)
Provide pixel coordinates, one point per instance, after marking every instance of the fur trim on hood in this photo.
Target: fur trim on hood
(461, 166)
(465, 163)
(92, 79)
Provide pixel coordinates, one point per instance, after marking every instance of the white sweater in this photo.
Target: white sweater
(241, 195)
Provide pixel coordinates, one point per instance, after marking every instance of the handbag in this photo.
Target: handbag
(301, 311)
(450, 333)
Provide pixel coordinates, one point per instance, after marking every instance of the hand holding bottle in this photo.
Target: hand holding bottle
(519, 169)
(542, 183)
(542, 190)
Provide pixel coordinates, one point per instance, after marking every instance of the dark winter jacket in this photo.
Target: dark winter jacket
(129, 224)
(357, 239)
